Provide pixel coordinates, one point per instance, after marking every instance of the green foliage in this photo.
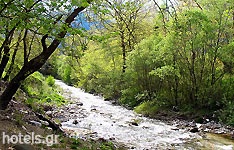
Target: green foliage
(226, 115)
(75, 143)
(100, 72)
(185, 67)
(50, 80)
(138, 80)
(73, 146)
(18, 118)
(128, 97)
(52, 99)
(148, 108)
(40, 91)
(32, 85)
(67, 75)
(62, 68)
(106, 147)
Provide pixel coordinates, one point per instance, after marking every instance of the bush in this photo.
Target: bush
(33, 84)
(226, 115)
(147, 108)
(50, 80)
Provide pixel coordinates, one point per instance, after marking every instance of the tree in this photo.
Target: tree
(36, 63)
(126, 18)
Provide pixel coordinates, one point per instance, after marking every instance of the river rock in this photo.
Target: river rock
(72, 111)
(114, 102)
(102, 139)
(75, 122)
(93, 109)
(145, 127)
(45, 123)
(194, 130)
(79, 104)
(23, 147)
(49, 113)
(134, 123)
(36, 123)
(107, 99)
(111, 138)
(49, 128)
(24, 128)
(175, 129)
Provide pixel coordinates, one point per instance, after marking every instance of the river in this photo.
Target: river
(124, 126)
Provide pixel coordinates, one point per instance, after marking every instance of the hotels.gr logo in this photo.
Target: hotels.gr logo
(32, 138)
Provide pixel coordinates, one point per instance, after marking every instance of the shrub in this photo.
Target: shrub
(226, 115)
(147, 107)
(50, 80)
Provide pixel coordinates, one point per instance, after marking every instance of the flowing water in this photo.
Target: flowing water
(125, 126)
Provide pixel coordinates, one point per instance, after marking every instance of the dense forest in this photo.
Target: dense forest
(150, 56)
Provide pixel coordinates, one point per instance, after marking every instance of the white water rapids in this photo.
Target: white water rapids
(115, 122)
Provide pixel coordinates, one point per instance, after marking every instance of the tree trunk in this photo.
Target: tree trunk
(12, 64)
(12, 60)
(6, 50)
(176, 82)
(5, 59)
(123, 51)
(37, 62)
(7, 41)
